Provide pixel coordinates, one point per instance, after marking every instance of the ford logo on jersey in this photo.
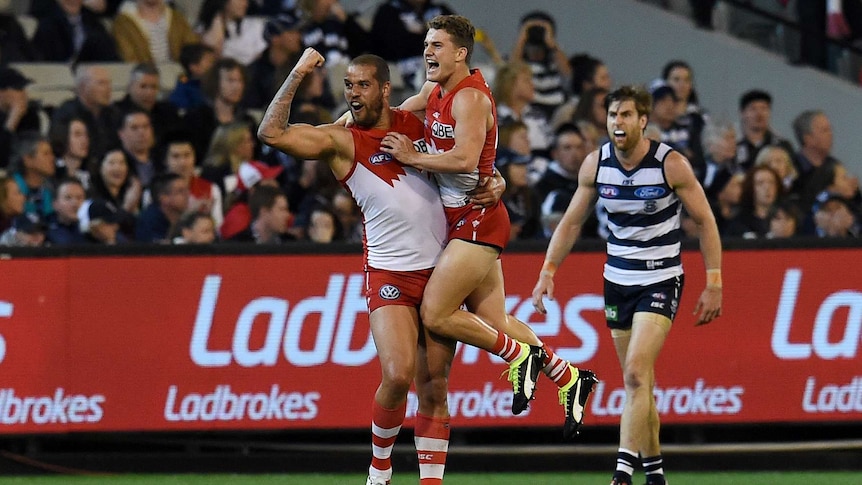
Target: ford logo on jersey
(649, 192)
(380, 158)
(608, 191)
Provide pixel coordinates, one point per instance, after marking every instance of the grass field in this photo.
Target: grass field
(700, 478)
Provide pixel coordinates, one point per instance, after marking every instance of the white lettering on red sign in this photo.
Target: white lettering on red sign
(6, 310)
(224, 405)
(680, 401)
(845, 347)
(337, 309)
(832, 398)
(59, 408)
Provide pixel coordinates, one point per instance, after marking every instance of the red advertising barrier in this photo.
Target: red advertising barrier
(274, 342)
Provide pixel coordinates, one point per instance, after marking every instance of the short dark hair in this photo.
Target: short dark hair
(161, 184)
(459, 28)
(539, 15)
(754, 95)
(640, 96)
(192, 54)
(671, 65)
(210, 83)
(584, 67)
(380, 65)
(802, 124)
(564, 129)
(263, 197)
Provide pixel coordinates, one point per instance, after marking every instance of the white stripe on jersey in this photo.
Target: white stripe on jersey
(644, 254)
(405, 226)
(643, 233)
(646, 176)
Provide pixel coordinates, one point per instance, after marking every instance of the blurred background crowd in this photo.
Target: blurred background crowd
(153, 140)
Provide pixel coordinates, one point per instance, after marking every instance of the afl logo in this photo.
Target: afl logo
(608, 191)
(380, 158)
(389, 292)
(649, 192)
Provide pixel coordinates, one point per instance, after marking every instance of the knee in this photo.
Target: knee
(635, 379)
(432, 319)
(433, 396)
(397, 379)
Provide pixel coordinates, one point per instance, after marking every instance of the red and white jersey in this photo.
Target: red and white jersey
(403, 220)
(440, 135)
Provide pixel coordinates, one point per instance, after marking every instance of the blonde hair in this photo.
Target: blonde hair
(504, 81)
(764, 154)
(225, 139)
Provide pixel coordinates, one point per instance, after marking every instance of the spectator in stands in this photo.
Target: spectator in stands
(831, 179)
(552, 210)
(273, 8)
(537, 45)
(512, 161)
(18, 113)
(568, 153)
(16, 47)
(27, 230)
(101, 222)
(761, 190)
(588, 72)
(92, 103)
(137, 142)
(73, 34)
(268, 72)
(251, 176)
(142, 93)
(833, 218)
(70, 143)
(724, 195)
(113, 182)
(33, 170)
(719, 143)
(225, 26)
(194, 228)
(349, 216)
(11, 201)
(323, 226)
(813, 132)
(591, 110)
(223, 86)
(63, 225)
(398, 34)
(679, 75)
(780, 161)
(681, 132)
(231, 145)
(332, 31)
(170, 202)
(102, 8)
(204, 196)
(197, 60)
(514, 94)
(151, 31)
(755, 109)
(269, 214)
(785, 220)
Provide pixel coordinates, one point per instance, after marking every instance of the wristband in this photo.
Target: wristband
(548, 268)
(713, 278)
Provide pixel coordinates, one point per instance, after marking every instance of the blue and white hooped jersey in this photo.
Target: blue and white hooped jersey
(643, 218)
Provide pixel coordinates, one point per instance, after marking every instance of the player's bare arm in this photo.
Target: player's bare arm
(471, 110)
(681, 177)
(568, 230)
(330, 143)
(417, 102)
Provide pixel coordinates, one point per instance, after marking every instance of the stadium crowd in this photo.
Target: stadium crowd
(186, 166)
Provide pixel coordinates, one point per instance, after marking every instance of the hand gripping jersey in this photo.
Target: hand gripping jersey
(440, 135)
(403, 220)
(643, 218)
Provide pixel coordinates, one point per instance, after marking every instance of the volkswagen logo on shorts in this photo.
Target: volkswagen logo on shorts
(389, 292)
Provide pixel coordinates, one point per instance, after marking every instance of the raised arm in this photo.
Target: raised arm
(568, 230)
(418, 101)
(681, 178)
(300, 140)
(471, 110)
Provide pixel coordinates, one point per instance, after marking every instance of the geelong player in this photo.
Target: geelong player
(461, 131)
(643, 185)
(405, 231)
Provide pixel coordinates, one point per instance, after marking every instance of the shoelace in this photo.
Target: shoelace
(512, 377)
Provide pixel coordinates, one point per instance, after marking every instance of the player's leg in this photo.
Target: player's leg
(431, 435)
(395, 329)
(460, 270)
(488, 301)
(637, 351)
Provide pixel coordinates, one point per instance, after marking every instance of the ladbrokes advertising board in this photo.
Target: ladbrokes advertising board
(257, 342)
